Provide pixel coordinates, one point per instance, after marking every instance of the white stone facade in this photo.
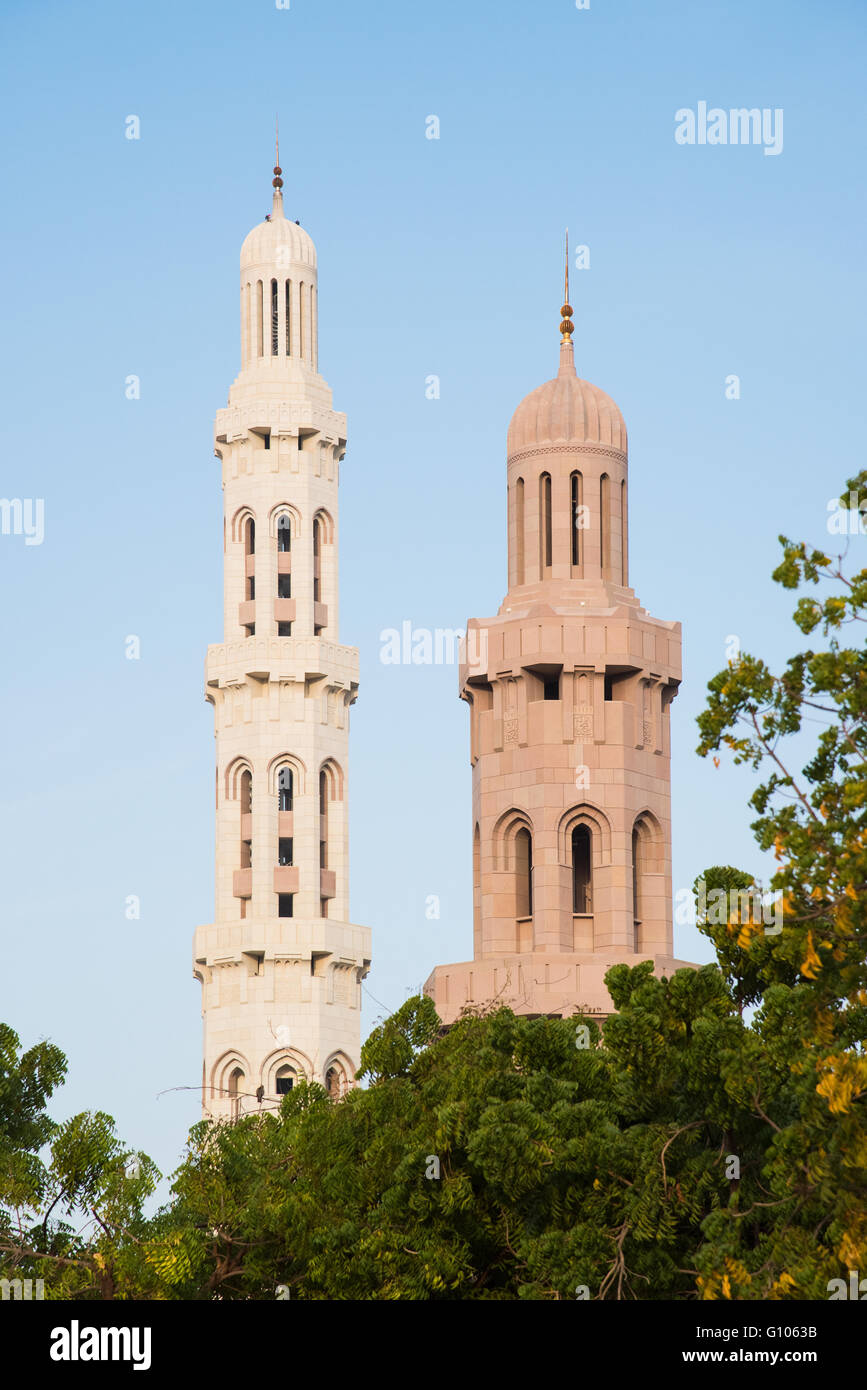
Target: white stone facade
(281, 965)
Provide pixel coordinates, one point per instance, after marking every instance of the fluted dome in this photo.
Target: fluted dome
(566, 410)
(264, 245)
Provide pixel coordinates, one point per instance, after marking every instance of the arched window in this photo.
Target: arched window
(546, 536)
(317, 548)
(624, 537)
(302, 327)
(477, 883)
(275, 320)
(335, 1081)
(323, 833)
(246, 800)
(249, 569)
(577, 490)
(288, 319)
(519, 529)
(259, 318)
(605, 523)
(582, 871)
(285, 1080)
(318, 563)
(637, 871)
(284, 573)
(236, 1087)
(524, 873)
(284, 788)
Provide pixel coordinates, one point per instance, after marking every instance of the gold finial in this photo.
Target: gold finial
(277, 181)
(567, 327)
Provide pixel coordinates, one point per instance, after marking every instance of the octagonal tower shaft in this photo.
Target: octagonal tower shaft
(281, 965)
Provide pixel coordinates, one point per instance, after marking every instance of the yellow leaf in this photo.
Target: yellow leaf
(811, 964)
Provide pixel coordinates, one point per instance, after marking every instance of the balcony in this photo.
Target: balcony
(286, 879)
(247, 612)
(247, 826)
(327, 883)
(320, 615)
(242, 883)
(250, 566)
(285, 825)
(284, 561)
(284, 610)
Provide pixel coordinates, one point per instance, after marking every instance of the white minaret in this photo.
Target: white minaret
(281, 966)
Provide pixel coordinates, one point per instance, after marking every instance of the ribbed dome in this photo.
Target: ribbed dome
(262, 245)
(566, 410)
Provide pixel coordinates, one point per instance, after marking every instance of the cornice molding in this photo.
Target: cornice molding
(606, 450)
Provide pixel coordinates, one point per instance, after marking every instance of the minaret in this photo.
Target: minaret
(281, 966)
(569, 690)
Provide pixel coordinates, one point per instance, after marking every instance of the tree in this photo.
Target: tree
(88, 1172)
(806, 1055)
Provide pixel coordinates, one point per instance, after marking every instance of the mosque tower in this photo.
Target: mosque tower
(569, 689)
(281, 965)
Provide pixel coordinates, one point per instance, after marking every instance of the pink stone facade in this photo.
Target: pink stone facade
(569, 690)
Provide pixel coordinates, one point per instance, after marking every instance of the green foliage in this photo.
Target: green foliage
(26, 1082)
(684, 1153)
(806, 1050)
(85, 1174)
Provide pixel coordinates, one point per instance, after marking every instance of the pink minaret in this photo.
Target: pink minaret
(569, 689)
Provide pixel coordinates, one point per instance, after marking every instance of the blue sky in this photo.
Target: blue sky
(435, 256)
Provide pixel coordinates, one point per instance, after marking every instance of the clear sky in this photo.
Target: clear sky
(435, 257)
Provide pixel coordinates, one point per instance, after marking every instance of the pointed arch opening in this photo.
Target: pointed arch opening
(523, 874)
(323, 535)
(237, 1082)
(477, 884)
(647, 860)
(284, 1079)
(576, 487)
(338, 1075)
(605, 524)
(546, 527)
(637, 877)
(282, 1071)
(330, 790)
(582, 871)
(519, 530)
(275, 320)
(284, 574)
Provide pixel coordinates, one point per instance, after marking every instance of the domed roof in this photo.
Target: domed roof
(265, 244)
(566, 410)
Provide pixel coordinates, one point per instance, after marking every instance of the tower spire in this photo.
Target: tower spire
(277, 206)
(567, 328)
